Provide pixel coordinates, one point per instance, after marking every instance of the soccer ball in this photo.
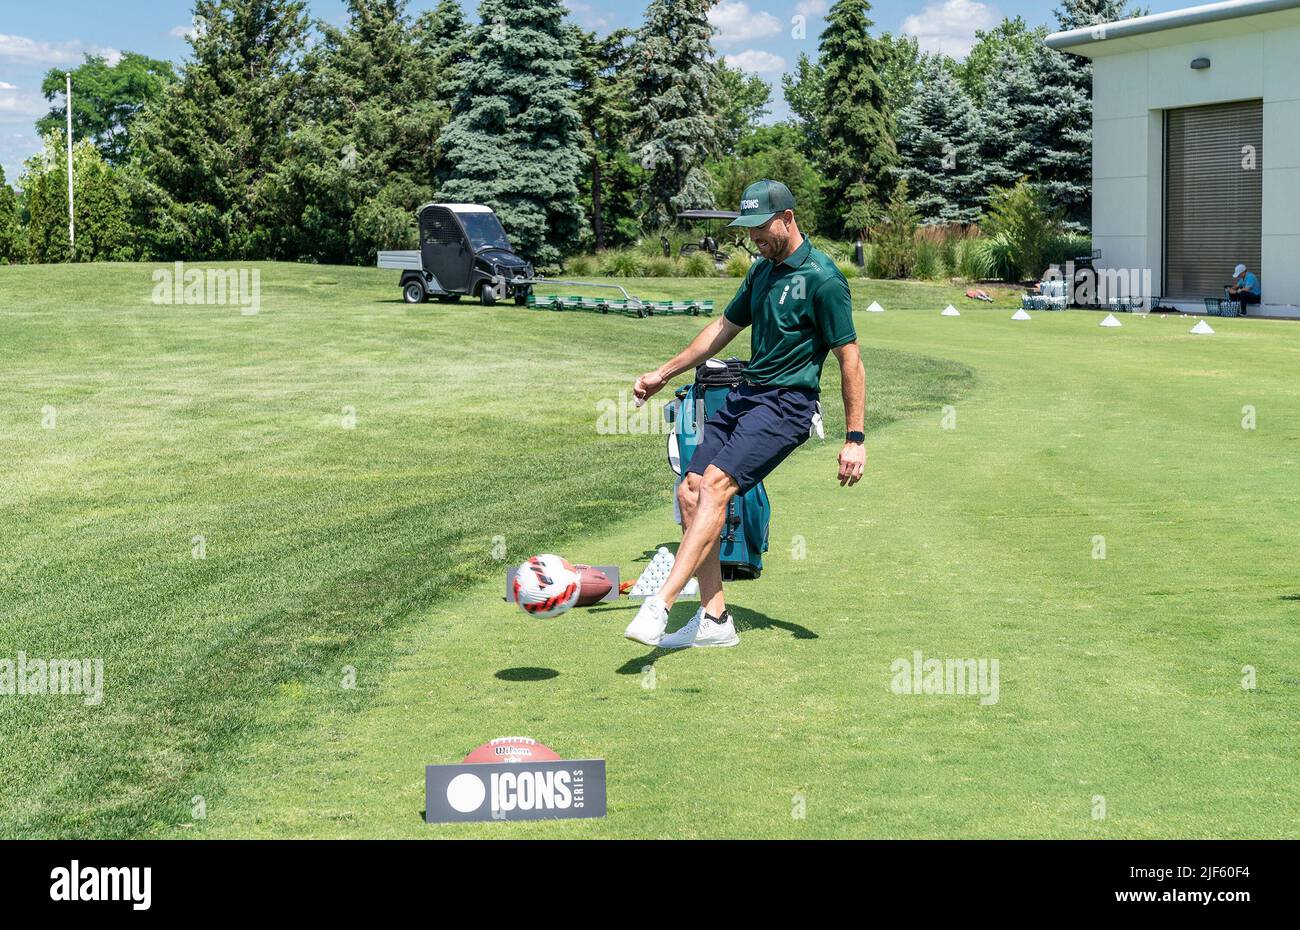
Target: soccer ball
(546, 586)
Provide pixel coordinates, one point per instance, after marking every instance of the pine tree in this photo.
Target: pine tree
(858, 151)
(9, 222)
(514, 141)
(1039, 126)
(939, 151)
(674, 128)
(602, 83)
(356, 174)
(209, 150)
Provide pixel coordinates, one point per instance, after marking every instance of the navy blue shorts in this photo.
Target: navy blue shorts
(753, 431)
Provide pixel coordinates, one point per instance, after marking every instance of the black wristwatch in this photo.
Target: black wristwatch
(859, 438)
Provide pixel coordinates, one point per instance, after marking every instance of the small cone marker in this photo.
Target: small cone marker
(1110, 321)
(1202, 329)
(950, 310)
(875, 308)
(1020, 315)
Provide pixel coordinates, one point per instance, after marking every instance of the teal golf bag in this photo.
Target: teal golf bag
(744, 534)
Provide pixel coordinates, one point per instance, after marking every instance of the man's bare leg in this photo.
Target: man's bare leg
(710, 571)
(716, 489)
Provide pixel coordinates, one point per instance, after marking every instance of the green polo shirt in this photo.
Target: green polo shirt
(800, 309)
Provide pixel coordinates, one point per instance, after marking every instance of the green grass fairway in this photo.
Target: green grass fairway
(356, 466)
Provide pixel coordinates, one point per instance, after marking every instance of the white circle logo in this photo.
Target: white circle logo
(466, 792)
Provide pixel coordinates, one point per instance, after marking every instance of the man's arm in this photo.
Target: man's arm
(853, 388)
(710, 341)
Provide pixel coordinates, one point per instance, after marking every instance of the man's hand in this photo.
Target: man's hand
(647, 386)
(853, 461)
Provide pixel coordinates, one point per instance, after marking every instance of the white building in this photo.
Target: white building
(1196, 148)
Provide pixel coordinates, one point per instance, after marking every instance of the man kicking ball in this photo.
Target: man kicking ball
(799, 306)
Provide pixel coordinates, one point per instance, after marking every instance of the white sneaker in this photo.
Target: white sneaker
(649, 623)
(686, 635)
(706, 632)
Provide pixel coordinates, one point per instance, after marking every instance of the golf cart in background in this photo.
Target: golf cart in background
(709, 241)
(463, 251)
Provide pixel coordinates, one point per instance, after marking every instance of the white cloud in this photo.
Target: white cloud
(734, 21)
(14, 103)
(21, 50)
(949, 26)
(812, 8)
(588, 16)
(756, 61)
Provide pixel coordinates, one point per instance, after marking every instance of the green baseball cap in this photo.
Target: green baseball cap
(761, 201)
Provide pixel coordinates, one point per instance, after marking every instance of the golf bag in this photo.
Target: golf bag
(744, 533)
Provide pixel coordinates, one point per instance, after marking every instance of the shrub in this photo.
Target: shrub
(929, 262)
(894, 241)
(581, 266)
(698, 265)
(660, 267)
(1067, 247)
(737, 266)
(623, 264)
(970, 259)
(1025, 224)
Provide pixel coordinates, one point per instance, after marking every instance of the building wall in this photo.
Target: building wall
(1130, 92)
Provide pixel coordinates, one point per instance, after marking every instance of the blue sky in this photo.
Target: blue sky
(760, 36)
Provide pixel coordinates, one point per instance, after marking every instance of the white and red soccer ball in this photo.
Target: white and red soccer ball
(546, 586)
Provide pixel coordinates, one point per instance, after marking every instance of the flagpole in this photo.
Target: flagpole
(72, 226)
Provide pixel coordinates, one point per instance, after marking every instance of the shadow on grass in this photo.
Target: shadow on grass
(527, 673)
(746, 620)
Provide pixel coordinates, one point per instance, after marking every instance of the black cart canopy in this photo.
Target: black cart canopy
(707, 215)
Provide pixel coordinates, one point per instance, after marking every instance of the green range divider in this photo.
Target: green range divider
(637, 308)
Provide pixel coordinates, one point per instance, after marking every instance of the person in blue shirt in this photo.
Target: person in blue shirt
(1245, 287)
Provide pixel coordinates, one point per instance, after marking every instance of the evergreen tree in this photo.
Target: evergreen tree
(803, 94)
(858, 151)
(1039, 126)
(602, 83)
(1006, 42)
(674, 128)
(105, 99)
(1080, 14)
(355, 175)
(939, 151)
(210, 147)
(514, 141)
(104, 231)
(10, 229)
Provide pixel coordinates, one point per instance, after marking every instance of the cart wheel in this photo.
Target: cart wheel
(448, 298)
(521, 300)
(486, 296)
(414, 292)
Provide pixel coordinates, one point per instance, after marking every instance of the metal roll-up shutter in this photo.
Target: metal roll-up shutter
(1213, 195)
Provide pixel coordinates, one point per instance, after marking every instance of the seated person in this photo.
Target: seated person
(1245, 286)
